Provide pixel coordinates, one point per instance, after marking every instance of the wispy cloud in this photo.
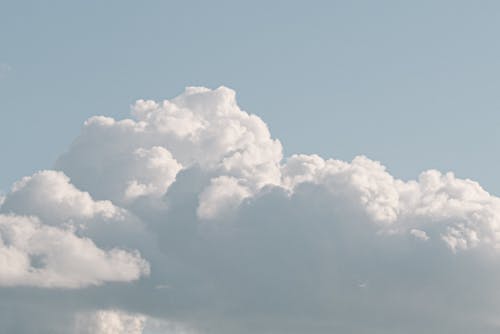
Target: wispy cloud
(5, 69)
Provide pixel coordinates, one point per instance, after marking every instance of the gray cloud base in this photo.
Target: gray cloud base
(186, 219)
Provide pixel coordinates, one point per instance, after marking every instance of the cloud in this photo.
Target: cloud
(110, 322)
(191, 202)
(35, 254)
(463, 213)
(43, 227)
(50, 196)
(223, 194)
(119, 322)
(419, 234)
(5, 69)
(200, 127)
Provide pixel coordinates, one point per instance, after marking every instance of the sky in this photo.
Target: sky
(413, 85)
(249, 167)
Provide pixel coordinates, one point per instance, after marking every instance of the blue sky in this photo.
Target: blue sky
(186, 219)
(414, 85)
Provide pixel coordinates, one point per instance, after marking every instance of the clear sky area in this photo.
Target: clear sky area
(413, 85)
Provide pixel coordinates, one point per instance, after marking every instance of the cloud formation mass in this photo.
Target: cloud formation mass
(187, 218)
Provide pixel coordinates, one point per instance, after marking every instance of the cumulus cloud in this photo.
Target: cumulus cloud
(191, 202)
(467, 212)
(223, 194)
(35, 254)
(4, 69)
(109, 322)
(419, 234)
(43, 222)
(119, 322)
(50, 196)
(200, 127)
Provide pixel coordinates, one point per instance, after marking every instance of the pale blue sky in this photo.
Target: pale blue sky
(412, 84)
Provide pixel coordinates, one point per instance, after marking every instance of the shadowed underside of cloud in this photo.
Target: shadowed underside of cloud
(187, 219)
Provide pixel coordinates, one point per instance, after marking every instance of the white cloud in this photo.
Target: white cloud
(419, 234)
(155, 171)
(5, 69)
(120, 322)
(50, 196)
(200, 127)
(222, 195)
(109, 322)
(467, 212)
(34, 254)
(245, 241)
(44, 220)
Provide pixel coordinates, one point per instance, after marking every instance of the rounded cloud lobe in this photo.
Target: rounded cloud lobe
(36, 254)
(42, 237)
(191, 206)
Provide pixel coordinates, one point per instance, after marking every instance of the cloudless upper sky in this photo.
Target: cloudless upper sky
(415, 84)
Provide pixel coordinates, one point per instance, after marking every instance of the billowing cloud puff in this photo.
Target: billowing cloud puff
(223, 194)
(466, 213)
(141, 156)
(235, 239)
(42, 230)
(109, 322)
(119, 322)
(50, 196)
(35, 254)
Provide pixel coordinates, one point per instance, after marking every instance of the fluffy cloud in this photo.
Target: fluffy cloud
(109, 322)
(223, 194)
(43, 223)
(235, 239)
(201, 127)
(50, 196)
(465, 213)
(4, 70)
(119, 322)
(35, 254)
